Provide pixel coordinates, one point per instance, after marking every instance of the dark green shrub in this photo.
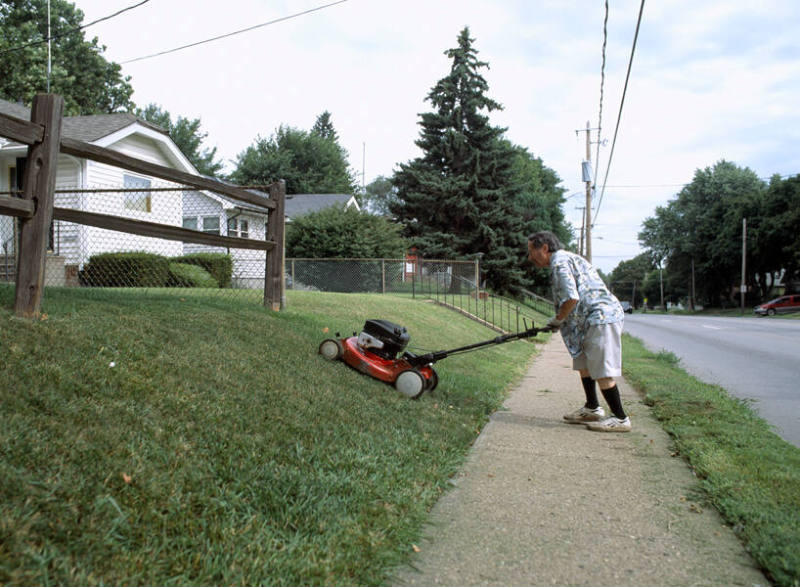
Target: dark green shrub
(219, 265)
(186, 275)
(137, 269)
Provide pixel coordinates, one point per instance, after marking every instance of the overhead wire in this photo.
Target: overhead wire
(70, 31)
(263, 24)
(621, 104)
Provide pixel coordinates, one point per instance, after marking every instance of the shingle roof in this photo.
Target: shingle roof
(83, 128)
(299, 204)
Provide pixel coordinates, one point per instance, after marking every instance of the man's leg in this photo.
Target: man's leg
(591, 410)
(604, 360)
(608, 387)
(589, 389)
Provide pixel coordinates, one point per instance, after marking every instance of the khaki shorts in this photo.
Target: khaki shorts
(602, 351)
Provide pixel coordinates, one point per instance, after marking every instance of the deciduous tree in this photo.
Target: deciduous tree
(309, 162)
(187, 136)
(88, 82)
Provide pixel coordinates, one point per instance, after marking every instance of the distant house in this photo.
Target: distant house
(299, 204)
(74, 244)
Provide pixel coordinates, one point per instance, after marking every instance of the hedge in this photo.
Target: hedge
(137, 269)
(219, 265)
(186, 275)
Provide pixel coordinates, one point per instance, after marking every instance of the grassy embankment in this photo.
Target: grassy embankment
(200, 439)
(188, 438)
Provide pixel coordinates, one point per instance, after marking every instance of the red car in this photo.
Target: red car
(781, 305)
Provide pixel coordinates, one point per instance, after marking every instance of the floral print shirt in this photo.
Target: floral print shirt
(573, 278)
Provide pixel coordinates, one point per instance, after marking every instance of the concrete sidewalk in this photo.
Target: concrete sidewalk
(542, 502)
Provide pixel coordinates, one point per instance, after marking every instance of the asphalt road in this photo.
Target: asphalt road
(752, 358)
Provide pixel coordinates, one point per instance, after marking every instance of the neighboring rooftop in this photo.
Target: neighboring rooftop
(299, 204)
(84, 128)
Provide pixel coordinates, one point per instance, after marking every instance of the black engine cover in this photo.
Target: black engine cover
(393, 336)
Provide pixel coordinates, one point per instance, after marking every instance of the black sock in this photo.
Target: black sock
(591, 393)
(614, 402)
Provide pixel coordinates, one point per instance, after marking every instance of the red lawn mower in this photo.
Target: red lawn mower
(374, 353)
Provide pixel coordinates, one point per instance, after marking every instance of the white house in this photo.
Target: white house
(72, 244)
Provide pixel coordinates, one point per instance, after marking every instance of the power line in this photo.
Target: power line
(263, 24)
(602, 83)
(65, 33)
(621, 104)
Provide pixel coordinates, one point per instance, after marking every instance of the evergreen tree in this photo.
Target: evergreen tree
(463, 195)
(324, 127)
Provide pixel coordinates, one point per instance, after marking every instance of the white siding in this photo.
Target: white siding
(248, 265)
(67, 235)
(166, 207)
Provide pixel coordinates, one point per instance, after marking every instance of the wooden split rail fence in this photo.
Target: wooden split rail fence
(36, 211)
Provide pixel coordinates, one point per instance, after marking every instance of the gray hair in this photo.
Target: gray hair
(545, 237)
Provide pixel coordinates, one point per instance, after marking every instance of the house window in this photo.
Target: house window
(139, 201)
(211, 224)
(238, 227)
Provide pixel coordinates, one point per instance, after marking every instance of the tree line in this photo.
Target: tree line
(694, 245)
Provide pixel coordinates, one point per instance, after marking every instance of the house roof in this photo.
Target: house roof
(299, 204)
(84, 128)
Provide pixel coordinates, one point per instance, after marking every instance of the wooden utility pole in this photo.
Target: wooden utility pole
(38, 188)
(588, 230)
(743, 287)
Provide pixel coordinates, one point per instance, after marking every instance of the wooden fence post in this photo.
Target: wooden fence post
(38, 187)
(274, 281)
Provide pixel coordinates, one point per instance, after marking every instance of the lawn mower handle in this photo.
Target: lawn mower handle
(428, 358)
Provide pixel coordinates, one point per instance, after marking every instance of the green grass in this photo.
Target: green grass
(746, 471)
(179, 437)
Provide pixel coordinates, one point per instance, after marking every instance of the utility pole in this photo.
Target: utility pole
(744, 255)
(583, 224)
(588, 179)
(586, 173)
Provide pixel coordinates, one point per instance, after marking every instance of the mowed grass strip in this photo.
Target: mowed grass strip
(745, 470)
(186, 438)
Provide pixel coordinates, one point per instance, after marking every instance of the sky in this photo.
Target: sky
(710, 80)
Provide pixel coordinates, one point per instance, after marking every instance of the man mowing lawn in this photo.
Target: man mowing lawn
(590, 320)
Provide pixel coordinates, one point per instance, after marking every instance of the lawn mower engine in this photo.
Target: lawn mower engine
(374, 352)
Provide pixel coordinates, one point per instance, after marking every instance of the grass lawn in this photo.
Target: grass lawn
(189, 438)
(745, 470)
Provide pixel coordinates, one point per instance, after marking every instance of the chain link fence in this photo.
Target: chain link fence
(449, 282)
(86, 256)
(408, 276)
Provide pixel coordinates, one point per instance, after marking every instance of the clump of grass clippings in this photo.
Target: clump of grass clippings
(750, 474)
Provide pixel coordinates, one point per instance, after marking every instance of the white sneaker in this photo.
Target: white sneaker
(611, 424)
(584, 415)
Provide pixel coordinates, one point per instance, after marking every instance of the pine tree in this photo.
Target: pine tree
(461, 196)
(324, 127)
